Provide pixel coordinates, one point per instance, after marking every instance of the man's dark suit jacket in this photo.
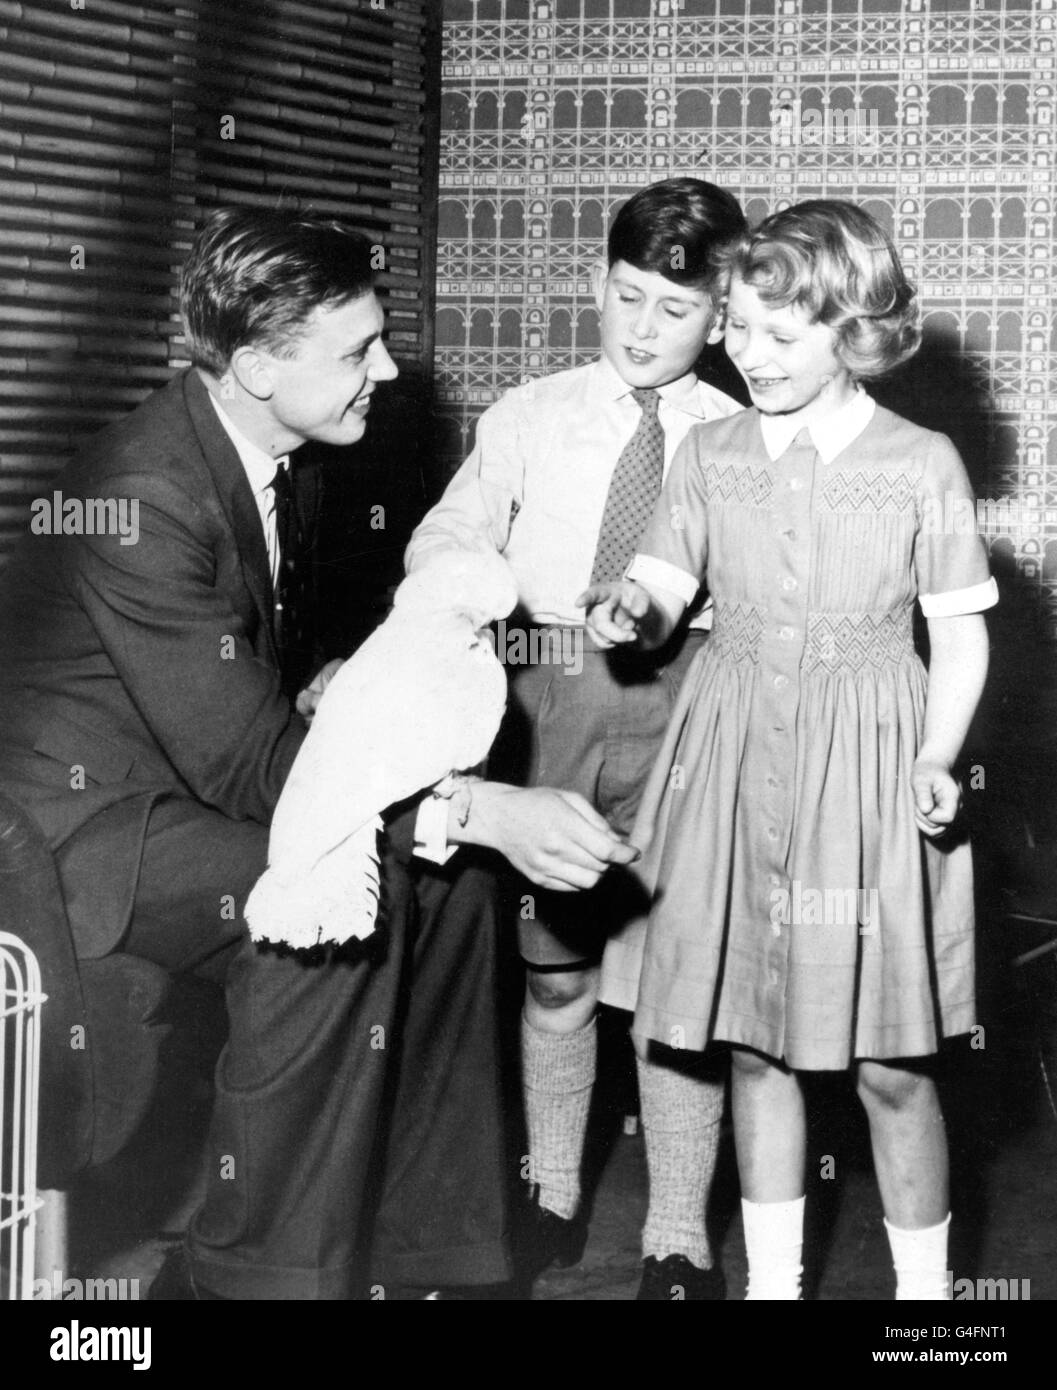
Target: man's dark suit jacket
(151, 666)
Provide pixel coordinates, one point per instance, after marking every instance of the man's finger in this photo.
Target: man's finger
(624, 853)
(583, 808)
(571, 878)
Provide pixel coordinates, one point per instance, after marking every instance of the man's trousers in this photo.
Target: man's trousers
(357, 1140)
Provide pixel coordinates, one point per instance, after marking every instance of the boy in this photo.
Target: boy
(562, 480)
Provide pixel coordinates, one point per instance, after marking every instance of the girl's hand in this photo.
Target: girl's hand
(614, 611)
(937, 796)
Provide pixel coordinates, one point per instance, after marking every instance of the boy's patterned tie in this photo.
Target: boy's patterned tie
(633, 492)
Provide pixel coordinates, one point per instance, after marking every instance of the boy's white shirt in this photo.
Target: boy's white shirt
(518, 469)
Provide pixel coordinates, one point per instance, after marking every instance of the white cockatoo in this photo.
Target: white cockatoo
(422, 697)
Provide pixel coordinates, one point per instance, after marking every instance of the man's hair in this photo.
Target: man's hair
(838, 264)
(675, 228)
(256, 277)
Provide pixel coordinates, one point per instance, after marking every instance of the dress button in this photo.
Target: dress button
(778, 728)
(772, 833)
(774, 880)
(772, 782)
(780, 682)
(789, 584)
(796, 484)
(786, 634)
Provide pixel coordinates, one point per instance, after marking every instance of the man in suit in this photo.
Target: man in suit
(154, 695)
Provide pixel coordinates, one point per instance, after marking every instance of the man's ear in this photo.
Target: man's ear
(599, 275)
(252, 370)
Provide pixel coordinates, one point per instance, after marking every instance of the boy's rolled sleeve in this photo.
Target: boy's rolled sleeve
(482, 499)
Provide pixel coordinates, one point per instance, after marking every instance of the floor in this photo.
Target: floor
(999, 1092)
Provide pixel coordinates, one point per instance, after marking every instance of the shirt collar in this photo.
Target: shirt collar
(260, 466)
(830, 434)
(681, 393)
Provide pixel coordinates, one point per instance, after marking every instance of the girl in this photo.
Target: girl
(806, 906)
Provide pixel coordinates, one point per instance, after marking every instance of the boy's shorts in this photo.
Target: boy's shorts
(591, 723)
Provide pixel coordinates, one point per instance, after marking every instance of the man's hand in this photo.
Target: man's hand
(614, 611)
(555, 838)
(937, 796)
(309, 698)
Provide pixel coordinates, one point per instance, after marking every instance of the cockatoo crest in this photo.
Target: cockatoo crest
(473, 584)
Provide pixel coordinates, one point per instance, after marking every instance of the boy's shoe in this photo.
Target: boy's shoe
(549, 1239)
(674, 1279)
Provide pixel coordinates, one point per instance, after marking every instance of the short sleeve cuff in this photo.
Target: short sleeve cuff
(648, 570)
(431, 831)
(703, 620)
(959, 602)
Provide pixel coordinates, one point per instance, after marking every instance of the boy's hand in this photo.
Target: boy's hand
(937, 796)
(614, 611)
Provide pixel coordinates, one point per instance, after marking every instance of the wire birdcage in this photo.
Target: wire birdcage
(20, 1003)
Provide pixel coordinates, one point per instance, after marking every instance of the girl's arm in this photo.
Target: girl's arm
(957, 671)
(628, 611)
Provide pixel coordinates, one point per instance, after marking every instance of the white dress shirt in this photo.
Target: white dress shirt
(260, 470)
(535, 485)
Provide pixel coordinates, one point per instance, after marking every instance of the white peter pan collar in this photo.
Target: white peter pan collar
(830, 434)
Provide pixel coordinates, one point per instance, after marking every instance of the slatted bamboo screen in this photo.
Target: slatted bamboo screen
(122, 123)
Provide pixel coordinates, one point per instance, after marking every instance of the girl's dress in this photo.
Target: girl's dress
(795, 906)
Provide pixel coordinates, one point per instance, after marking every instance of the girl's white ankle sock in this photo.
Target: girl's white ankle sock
(920, 1259)
(774, 1242)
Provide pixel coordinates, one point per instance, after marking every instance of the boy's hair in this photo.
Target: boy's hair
(675, 229)
(256, 277)
(839, 265)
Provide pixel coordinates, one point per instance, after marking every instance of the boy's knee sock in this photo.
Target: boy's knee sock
(920, 1260)
(681, 1117)
(558, 1072)
(774, 1242)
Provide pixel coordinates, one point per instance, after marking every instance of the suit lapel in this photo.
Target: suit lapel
(236, 498)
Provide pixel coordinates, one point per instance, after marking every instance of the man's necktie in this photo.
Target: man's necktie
(290, 615)
(633, 492)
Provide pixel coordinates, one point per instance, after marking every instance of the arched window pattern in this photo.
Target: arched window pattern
(898, 105)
